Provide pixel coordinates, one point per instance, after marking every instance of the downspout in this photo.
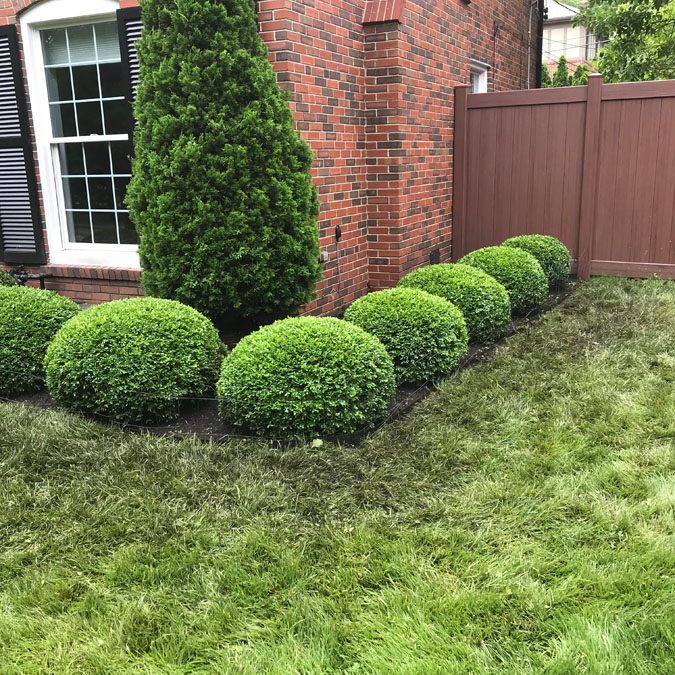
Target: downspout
(539, 5)
(540, 42)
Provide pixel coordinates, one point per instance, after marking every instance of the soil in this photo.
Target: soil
(199, 418)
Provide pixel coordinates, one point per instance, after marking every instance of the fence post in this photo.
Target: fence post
(459, 172)
(589, 180)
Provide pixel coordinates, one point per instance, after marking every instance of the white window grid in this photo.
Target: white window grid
(60, 176)
(56, 142)
(70, 64)
(48, 15)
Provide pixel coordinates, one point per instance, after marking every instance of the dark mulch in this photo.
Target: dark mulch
(200, 417)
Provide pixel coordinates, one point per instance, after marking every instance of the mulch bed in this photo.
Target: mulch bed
(199, 418)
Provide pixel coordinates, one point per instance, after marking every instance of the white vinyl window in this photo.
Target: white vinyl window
(478, 77)
(81, 118)
(88, 117)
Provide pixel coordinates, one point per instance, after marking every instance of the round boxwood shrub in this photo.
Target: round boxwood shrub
(551, 254)
(424, 334)
(306, 377)
(518, 271)
(6, 279)
(29, 319)
(132, 361)
(483, 301)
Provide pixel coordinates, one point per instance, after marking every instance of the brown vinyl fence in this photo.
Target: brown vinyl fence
(593, 166)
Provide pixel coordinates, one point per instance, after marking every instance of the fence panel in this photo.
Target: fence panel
(593, 166)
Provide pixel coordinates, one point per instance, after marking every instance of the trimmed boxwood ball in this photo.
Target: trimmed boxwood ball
(551, 254)
(483, 301)
(29, 319)
(6, 279)
(306, 377)
(131, 361)
(424, 334)
(518, 271)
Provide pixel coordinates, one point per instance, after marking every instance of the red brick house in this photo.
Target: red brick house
(372, 85)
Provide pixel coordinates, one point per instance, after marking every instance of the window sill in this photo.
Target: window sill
(128, 260)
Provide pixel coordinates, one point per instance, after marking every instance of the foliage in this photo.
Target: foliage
(520, 520)
(641, 34)
(580, 76)
(561, 77)
(6, 279)
(29, 319)
(221, 194)
(305, 377)
(425, 335)
(550, 253)
(518, 271)
(483, 301)
(546, 80)
(132, 361)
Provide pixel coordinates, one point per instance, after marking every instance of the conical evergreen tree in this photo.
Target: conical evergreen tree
(545, 77)
(561, 77)
(221, 192)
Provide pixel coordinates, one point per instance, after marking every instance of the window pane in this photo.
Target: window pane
(85, 79)
(72, 161)
(75, 193)
(98, 160)
(116, 117)
(107, 42)
(63, 120)
(81, 44)
(101, 193)
(121, 185)
(121, 152)
(58, 84)
(79, 230)
(112, 83)
(89, 118)
(105, 227)
(128, 233)
(54, 46)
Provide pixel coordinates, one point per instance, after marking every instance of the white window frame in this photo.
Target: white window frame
(60, 14)
(481, 70)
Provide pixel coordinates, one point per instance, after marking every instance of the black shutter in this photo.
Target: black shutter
(20, 223)
(129, 26)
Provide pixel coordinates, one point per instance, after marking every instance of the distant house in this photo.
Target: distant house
(563, 38)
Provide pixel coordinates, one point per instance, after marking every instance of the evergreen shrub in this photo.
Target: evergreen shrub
(483, 301)
(133, 361)
(29, 319)
(306, 377)
(6, 279)
(518, 271)
(550, 253)
(221, 193)
(425, 335)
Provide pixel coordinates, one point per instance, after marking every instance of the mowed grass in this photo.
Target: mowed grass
(521, 520)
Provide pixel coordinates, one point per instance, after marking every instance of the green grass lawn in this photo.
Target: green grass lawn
(520, 520)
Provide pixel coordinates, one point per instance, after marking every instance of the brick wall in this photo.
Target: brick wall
(426, 55)
(371, 85)
(316, 47)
